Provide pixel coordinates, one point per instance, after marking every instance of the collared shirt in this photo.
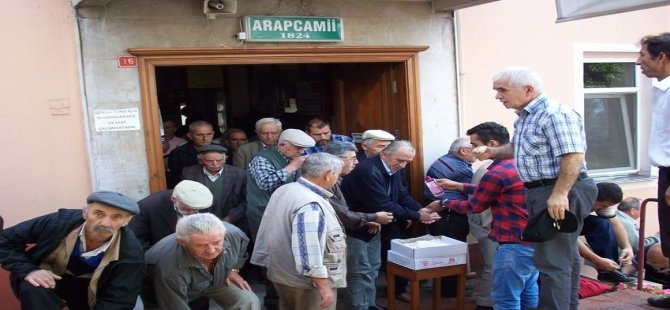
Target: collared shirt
(265, 175)
(307, 231)
(453, 168)
(659, 136)
(501, 190)
(212, 177)
(545, 131)
(334, 137)
(88, 253)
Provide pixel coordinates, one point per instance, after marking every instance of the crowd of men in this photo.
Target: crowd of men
(318, 215)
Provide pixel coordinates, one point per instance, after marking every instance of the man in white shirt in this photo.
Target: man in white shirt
(654, 62)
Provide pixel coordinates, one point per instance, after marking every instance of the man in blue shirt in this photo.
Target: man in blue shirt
(319, 130)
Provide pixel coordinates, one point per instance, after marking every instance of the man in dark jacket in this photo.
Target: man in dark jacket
(375, 185)
(90, 260)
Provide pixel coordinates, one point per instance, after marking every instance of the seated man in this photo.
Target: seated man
(196, 262)
(628, 213)
(605, 235)
(160, 211)
(90, 260)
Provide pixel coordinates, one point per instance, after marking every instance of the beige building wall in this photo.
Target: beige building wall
(508, 33)
(44, 163)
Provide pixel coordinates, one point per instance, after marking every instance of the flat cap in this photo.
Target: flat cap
(542, 227)
(377, 134)
(193, 194)
(218, 148)
(297, 137)
(115, 200)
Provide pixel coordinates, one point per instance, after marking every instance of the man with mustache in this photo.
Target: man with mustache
(84, 260)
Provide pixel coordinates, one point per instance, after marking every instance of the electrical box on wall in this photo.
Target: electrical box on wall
(212, 8)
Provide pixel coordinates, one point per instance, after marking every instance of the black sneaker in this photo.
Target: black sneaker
(615, 276)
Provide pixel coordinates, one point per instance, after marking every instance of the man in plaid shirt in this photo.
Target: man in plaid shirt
(514, 275)
(319, 130)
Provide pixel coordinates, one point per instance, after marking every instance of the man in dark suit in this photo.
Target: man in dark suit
(228, 184)
(200, 134)
(375, 185)
(267, 130)
(373, 142)
(160, 211)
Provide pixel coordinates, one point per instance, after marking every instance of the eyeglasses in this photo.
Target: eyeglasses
(351, 159)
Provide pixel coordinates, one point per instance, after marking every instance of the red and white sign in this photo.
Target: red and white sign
(127, 62)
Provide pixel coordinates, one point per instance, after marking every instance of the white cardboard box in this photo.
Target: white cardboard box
(448, 247)
(426, 262)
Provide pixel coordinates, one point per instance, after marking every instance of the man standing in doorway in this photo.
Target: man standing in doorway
(200, 133)
(374, 141)
(549, 146)
(654, 61)
(267, 131)
(319, 130)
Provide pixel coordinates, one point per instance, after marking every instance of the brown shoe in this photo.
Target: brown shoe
(404, 297)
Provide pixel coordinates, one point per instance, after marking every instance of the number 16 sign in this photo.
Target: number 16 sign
(127, 61)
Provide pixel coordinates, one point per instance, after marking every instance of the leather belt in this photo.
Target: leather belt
(545, 182)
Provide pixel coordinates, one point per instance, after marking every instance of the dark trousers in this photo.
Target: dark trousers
(664, 209)
(600, 237)
(393, 230)
(453, 225)
(73, 290)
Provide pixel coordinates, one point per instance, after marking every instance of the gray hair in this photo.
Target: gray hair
(629, 203)
(458, 144)
(398, 145)
(268, 120)
(520, 77)
(200, 123)
(339, 148)
(199, 223)
(317, 164)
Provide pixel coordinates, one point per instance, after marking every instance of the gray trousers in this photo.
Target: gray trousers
(488, 248)
(558, 259)
(294, 298)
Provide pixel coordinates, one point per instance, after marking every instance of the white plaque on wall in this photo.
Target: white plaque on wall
(117, 119)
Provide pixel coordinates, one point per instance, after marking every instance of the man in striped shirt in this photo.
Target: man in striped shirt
(501, 190)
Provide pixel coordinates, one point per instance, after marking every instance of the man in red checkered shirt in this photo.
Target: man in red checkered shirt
(501, 189)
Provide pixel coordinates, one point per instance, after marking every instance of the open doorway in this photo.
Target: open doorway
(356, 88)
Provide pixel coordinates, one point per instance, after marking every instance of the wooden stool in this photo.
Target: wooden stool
(414, 276)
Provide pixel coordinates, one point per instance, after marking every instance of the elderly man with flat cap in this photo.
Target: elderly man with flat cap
(85, 260)
(374, 141)
(227, 183)
(160, 211)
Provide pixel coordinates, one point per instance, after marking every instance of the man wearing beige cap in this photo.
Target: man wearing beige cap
(268, 170)
(160, 211)
(374, 141)
(85, 260)
(227, 183)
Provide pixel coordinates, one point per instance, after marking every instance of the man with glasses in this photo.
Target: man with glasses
(160, 211)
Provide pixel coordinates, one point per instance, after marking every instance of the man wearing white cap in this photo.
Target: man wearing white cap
(268, 170)
(85, 260)
(160, 211)
(374, 141)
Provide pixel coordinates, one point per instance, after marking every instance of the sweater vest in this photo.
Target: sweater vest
(257, 198)
(274, 236)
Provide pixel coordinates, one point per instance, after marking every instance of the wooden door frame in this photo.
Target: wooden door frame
(150, 58)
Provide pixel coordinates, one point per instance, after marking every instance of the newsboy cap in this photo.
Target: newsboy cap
(115, 200)
(542, 227)
(193, 194)
(217, 148)
(377, 134)
(297, 137)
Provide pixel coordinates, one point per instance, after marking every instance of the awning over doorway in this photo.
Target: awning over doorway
(568, 10)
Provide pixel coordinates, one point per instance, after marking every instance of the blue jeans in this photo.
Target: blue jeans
(363, 262)
(514, 278)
